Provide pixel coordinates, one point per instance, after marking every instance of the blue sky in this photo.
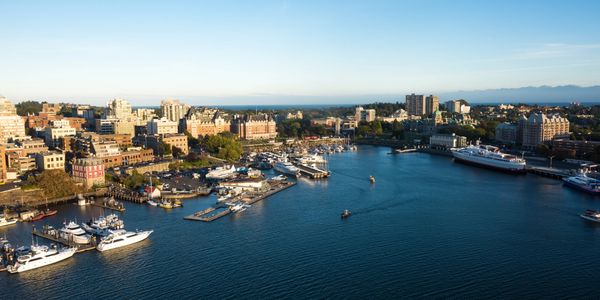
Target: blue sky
(264, 52)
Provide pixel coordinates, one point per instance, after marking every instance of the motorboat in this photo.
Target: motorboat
(121, 238)
(6, 221)
(39, 256)
(73, 232)
(43, 214)
(591, 215)
(346, 213)
(102, 225)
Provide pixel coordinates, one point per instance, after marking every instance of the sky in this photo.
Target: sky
(282, 52)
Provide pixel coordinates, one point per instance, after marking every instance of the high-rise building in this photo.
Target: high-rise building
(118, 108)
(507, 133)
(538, 129)
(419, 105)
(56, 130)
(458, 106)
(162, 126)
(12, 126)
(173, 109)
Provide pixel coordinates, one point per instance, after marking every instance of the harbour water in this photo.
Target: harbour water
(428, 227)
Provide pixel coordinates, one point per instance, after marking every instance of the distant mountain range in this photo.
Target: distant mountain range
(540, 94)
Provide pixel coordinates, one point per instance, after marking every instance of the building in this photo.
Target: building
(205, 121)
(246, 184)
(89, 171)
(118, 108)
(447, 141)
(419, 105)
(250, 127)
(51, 160)
(296, 115)
(145, 114)
(581, 148)
(130, 157)
(539, 129)
(57, 130)
(32, 146)
(173, 109)
(399, 116)
(11, 125)
(361, 114)
(3, 165)
(507, 133)
(116, 126)
(154, 142)
(162, 126)
(104, 148)
(50, 108)
(458, 106)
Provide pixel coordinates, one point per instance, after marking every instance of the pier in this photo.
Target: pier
(53, 236)
(312, 172)
(214, 212)
(111, 207)
(548, 172)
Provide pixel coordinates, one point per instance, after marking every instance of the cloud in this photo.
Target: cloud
(555, 50)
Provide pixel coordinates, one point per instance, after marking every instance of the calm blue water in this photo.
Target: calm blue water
(427, 228)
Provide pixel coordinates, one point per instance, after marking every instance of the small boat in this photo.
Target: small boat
(43, 214)
(346, 213)
(152, 202)
(5, 221)
(177, 203)
(166, 205)
(591, 215)
(372, 179)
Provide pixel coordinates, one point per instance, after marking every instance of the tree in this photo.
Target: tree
(223, 145)
(56, 184)
(165, 149)
(28, 107)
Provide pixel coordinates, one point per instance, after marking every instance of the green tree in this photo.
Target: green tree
(224, 146)
(57, 183)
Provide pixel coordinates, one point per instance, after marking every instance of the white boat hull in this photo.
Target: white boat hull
(48, 260)
(491, 163)
(121, 242)
(6, 223)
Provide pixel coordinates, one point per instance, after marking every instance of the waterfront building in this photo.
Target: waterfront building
(50, 160)
(419, 105)
(205, 121)
(89, 172)
(162, 166)
(539, 129)
(162, 126)
(447, 141)
(581, 148)
(506, 133)
(173, 109)
(259, 126)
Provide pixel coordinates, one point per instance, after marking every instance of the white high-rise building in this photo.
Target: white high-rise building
(162, 126)
(173, 109)
(11, 125)
(118, 108)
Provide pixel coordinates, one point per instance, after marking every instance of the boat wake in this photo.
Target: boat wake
(384, 205)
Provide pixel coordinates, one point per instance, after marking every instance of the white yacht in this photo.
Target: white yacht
(286, 168)
(312, 159)
(73, 232)
(120, 238)
(40, 256)
(5, 221)
(220, 173)
(102, 225)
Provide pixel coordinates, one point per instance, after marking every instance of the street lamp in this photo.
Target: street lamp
(551, 157)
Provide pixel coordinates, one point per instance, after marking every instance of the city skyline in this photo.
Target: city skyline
(283, 51)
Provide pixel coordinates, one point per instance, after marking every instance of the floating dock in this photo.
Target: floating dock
(111, 207)
(57, 239)
(214, 212)
(312, 172)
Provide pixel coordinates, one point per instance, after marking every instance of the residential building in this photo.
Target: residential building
(447, 141)
(51, 160)
(507, 133)
(205, 121)
(419, 105)
(105, 148)
(11, 125)
(130, 157)
(32, 146)
(458, 106)
(7, 108)
(581, 148)
(399, 116)
(361, 114)
(118, 108)
(539, 129)
(89, 171)
(173, 109)
(50, 108)
(145, 114)
(162, 126)
(296, 115)
(3, 165)
(116, 126)
(179, 141)
(259, 126)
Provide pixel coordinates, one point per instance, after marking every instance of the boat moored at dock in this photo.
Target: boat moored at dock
(489, 157)
(287, 168)
(39, 256)
(584, 183)
(121, 238)
(6, 221)
(73, 232)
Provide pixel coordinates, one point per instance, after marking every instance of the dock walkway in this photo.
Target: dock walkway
(548, 172)
(55, 238)
(314, 173)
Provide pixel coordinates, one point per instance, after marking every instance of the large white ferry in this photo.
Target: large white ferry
(584, 183)
(40, 256)
(120, 238)
(286, 168)
(490, 157)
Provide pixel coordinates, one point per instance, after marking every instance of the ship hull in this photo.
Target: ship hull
(129, 241)
(484, 164)
(580, 188)
(62, 255)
